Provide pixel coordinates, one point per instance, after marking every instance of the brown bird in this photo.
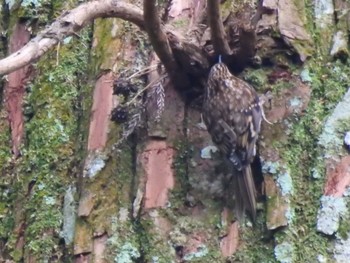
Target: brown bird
(232, 113)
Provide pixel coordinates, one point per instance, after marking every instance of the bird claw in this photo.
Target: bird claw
(201, 125)
(267, 97)
(264, 117)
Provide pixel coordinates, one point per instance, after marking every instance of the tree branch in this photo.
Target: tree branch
(69, 23)
(157, 36)
(218, 35)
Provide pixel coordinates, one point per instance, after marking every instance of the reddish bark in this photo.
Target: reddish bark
(14, 89)
(229, 243)
(82, 258)
(99, 248)
(100, 113)
(338, 178)
(157, 162)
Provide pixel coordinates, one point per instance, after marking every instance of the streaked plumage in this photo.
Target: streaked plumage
(232, 114)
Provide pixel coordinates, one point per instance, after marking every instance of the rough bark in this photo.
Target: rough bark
(79, 194)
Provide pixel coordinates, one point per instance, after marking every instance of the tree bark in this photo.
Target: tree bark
(77, 187)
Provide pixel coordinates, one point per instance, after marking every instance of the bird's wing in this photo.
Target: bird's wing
(243, 114)
(222, 135)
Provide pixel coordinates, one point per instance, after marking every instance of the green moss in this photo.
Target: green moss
(344, 227)
(104, 55)
(303, 155)
(255, 245)
(258, 78)
(155, 245)
(123, 245)
(7, 188)
(188, 227)
(112, 188)
(180, 165)
(52, 136)
(5, 139)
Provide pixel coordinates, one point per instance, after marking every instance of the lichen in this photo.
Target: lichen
(95, 162)
(69, 215)
(332, 208)
(284, 252)
(342, 250)
(201, 252)
(206, 152)
(127, 254)
(123, 245)
(281, 175)
(284, 180)
(270, 167)
(332, 136)
(324, 11)
(340, 47)
(321, 259)
(305, 75)
(296, 104)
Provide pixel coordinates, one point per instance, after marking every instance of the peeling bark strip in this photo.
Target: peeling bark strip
(291, 26)
(101, 108)
(338, 179)
(157, 162)
(14, 88)
(229, 243)
(99, 248)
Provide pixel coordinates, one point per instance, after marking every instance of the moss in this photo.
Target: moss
(82, 237)
(255, 245)
(155, 245)
(337, 124)
(123, 245)
(5, 139)
(344, 227)
(104, 55)
(188, 227)
(303, 155)
(50, 143)
(258, 78)
(180, 165)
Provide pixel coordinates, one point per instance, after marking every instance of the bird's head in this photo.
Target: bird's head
(219, 71)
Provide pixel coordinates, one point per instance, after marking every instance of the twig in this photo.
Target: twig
(143, 71)
(69, 23)
(145, 88)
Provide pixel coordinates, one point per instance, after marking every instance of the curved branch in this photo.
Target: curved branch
(69, 23)
(218, 35)
(157, 37)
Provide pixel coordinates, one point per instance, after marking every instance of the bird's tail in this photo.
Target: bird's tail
(245, 193)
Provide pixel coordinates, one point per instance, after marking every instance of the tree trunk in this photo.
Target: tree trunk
(147, 186)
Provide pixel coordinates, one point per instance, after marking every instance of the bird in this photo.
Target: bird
(232, 113)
